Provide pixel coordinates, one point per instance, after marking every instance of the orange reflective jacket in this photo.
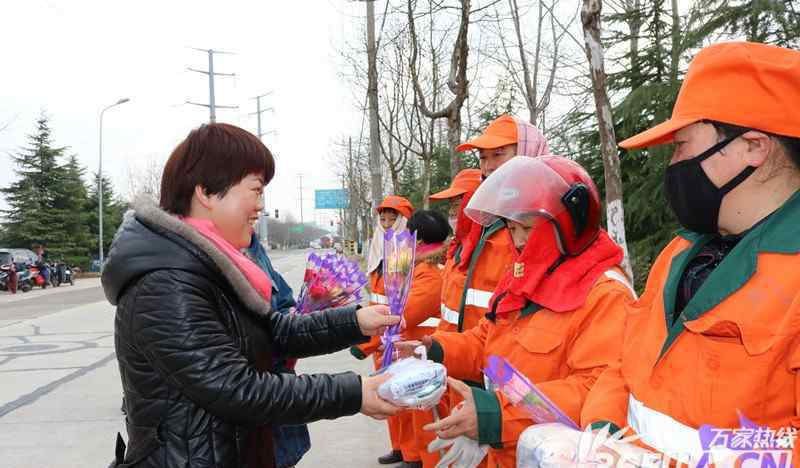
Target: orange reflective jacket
(563, 353)
(466, 294)
(734, 348)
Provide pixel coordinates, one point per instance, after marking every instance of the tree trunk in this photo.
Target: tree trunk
(676, 45)
(590, 17)
(635, 25)
(426, 181)
(395, 175)
(376, 175)
(453, 140)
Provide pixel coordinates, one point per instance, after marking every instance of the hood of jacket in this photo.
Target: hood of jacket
(150, 239)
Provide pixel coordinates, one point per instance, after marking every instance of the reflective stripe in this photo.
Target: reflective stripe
(431, 322)
(449, 315)
(378, 299)
(478, 298)
(671, 437)
(617, 276)
(662, 432)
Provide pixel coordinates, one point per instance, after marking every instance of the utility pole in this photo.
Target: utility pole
(258, 113)
(265, 231)
(212, 104)
(301, 198)
(376, 174)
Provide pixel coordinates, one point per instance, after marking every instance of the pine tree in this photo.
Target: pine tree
(658, 44)
(113, 211)
(32, 212)
(72, 239)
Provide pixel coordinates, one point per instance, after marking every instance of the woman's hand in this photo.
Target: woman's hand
(373, 405)
(374, 320)
(464, 418)
(406, 349)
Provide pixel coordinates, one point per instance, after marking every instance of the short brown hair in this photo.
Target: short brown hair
(215, 156)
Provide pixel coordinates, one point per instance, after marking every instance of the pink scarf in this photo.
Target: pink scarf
(255, 275)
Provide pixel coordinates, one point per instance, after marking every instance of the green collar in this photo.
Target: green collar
(486, 233)
(529, 309)
(778, 234)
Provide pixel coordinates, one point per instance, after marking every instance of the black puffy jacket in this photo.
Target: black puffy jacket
(190, 333)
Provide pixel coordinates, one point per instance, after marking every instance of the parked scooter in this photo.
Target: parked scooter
(60, 273)
(37, 276)
(24, 277)
(5, 277)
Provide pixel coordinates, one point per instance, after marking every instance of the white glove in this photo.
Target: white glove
(555, 446)
(464, 453)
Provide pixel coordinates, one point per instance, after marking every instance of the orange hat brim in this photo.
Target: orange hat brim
(448, 193)
(660, 134)
(485, 142)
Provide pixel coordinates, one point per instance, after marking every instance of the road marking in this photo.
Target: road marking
(32, 397)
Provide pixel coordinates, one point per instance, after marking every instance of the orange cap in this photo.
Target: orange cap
(399, 204)
(501, 132)
(465, 181)
(740, 83)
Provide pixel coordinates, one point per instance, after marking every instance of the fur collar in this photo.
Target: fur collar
(433, 256)
(145, 209)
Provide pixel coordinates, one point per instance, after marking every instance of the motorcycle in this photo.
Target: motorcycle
(5, 277)
(60, 273)
(24, 277)
(38, 276)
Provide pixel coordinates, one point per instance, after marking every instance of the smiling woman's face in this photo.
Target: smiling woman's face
(235, 213)
(387, 218)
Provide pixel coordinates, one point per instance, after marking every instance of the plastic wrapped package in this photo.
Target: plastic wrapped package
(555, 445)
(551, 445)
(415, 383)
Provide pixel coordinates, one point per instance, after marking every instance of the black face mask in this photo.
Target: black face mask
(694, 199)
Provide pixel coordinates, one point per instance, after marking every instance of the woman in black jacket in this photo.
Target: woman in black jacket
(194, 325)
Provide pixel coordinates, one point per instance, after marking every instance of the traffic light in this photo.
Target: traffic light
(276, 213)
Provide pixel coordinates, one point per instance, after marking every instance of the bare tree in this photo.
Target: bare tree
(376, 181)
(145, 180)
(590, 17)
(351, 164)
(536, 99)
(457, 81)
(395, 87)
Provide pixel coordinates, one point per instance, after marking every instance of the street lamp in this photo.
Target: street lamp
(100, 179)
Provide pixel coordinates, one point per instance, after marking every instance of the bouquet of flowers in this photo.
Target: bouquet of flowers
(521, 392)
(330, 281)
(399, 249)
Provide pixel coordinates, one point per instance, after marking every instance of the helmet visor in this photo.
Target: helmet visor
(521, 189)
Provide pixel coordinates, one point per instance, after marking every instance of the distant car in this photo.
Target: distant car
(315, 245)
(24, 256)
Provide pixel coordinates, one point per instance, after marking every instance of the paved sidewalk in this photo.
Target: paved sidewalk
(60, 391)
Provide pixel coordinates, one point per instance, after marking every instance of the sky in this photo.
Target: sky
(71, 59)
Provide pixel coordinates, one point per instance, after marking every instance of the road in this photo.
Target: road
(60, 391)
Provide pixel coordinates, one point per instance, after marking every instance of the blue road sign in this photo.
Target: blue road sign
(330, 199)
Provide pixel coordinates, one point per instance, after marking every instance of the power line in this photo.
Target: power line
(212, 105)
(259, 111)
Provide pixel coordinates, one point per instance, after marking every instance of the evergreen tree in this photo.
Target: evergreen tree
(658, 44)
(409, 182)
(72, 239)
(32, 212)
(113, 211)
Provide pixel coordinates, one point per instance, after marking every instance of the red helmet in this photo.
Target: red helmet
(550, 188)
